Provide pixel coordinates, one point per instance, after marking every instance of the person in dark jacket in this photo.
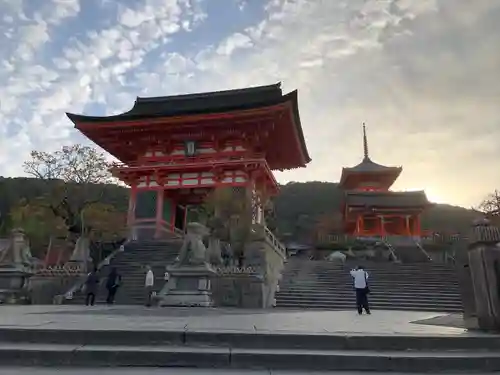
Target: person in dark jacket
(112, 285)
(91, 287)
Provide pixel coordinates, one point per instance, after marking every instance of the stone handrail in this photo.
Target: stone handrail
(139, 224)
(270, 238)
(421, 248)
(59, 270)
(428, 240)
(106, 261)
(391, 249)
(227, 270)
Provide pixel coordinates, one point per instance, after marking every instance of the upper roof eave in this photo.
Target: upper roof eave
(270, 95)
(293, 97)
(419, 198)
(368, 166)
(246, 98)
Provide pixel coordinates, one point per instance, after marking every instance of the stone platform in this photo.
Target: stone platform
(240, 339)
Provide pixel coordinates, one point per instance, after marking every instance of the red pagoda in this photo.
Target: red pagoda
(174, 150)
(371, 209)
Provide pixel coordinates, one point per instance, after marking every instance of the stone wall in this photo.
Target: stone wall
(256, 288)
(43, 289)
(238, 290)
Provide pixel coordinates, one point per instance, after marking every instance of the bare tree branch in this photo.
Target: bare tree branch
(79, 169)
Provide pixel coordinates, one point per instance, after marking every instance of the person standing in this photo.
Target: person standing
(360, 277)
(91, 286)
(112, 285)
(149, 284)
(166, 276)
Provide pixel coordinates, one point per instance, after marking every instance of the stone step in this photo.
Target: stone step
(244, 358)
(405, 294)
(367, 265)
(385, 294)
(372, 274)
(436, 287)
(322, 284)
(249, 339)
(340, 281)
(131, 266)
(374, 306)
(375, 301)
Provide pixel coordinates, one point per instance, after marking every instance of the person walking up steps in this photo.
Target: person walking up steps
(91, 286)
(360, 277)
(112, 285)
(149, 284)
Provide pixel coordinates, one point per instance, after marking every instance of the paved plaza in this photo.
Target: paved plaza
(170, 371)
(74, 338)
(137, 318)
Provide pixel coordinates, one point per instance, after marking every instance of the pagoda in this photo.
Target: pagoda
(371, 209)
(174, 150)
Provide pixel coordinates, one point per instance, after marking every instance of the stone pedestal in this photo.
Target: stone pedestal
(484, 264)
(189, 285)
(15, 268)
(13, 282)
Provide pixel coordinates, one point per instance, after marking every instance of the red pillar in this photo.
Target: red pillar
(382, 225)
(159, 212)
(407, 226)
(185, 216)
(131, 211)
(131, 206)
(173, 214)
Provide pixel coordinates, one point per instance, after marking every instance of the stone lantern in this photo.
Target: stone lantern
(484, 264)
(15, 268)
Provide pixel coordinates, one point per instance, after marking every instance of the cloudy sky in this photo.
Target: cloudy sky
(423, 74)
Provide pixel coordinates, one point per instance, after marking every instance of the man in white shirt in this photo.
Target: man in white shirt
(166, 276)
(360, 277)
(149, 284)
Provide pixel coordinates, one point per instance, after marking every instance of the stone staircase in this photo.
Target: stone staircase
(131, 265)
(328, 285)
(407, 249)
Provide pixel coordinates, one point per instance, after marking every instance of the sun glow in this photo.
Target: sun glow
(432, 195)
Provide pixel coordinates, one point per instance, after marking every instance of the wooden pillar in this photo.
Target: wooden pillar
(173, 214)
(159, 212)
(382, 225)
(131, 212)
(361, 224)
(418, 232)
(131, 206)
(358, 225)
(408, 230)
(186, 210)
(414, 225)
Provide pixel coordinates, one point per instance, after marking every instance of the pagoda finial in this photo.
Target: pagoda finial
(365, 143)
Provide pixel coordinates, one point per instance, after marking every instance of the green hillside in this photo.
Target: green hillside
(298, 207)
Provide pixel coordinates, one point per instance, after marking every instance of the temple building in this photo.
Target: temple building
(174, 150)
(371, 209)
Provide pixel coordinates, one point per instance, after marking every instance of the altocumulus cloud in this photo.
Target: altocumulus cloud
(423, 75)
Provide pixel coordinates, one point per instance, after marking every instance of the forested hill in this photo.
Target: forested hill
(299, 206)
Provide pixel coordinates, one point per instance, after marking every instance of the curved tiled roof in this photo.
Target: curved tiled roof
(407, 199)
(368, 166)
(226, 101)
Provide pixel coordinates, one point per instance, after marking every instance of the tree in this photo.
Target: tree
(490, 207)
(327, 224)
(104, 225)
(39, 224)
(229, 213)
(73, 173)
